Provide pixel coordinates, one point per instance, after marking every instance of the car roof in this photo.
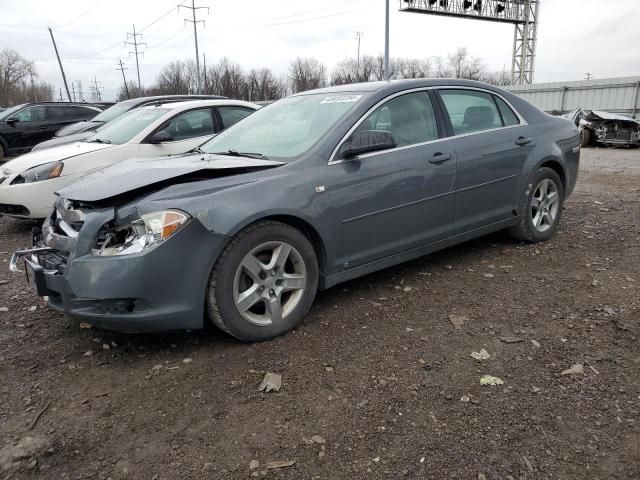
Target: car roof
(393, 86)
(167, 98)
(185, 105)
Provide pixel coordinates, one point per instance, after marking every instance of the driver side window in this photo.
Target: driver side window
(191, 124)
(31, 114)
(410, 118)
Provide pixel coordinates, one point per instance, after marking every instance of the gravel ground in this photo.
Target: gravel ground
(378, 382)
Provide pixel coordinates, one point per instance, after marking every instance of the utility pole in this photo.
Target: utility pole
(95, 94)
(80, 96)
(358, 38)
(193, 9)
(64, 77)
(588, 75)
(136, 44)
(386, 41)
(204, 69)
(73, 89)
(60, 94)
(122, 69)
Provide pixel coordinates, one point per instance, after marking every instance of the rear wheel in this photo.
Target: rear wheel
(540, 207)
(264, 282)
(1, 152)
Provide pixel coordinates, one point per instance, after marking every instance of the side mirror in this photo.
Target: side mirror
(11, 121)
(161, 137)
(367, 141)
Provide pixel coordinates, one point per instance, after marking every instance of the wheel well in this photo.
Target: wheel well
(555, 166)
(310, 232)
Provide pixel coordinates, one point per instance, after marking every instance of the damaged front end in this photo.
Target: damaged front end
(608, 129)
(121, 274)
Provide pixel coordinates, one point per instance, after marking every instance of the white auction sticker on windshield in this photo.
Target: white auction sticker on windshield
(342, 99)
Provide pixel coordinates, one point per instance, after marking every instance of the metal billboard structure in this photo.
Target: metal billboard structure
(523, 14)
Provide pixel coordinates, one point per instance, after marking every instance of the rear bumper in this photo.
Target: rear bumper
(158, 290)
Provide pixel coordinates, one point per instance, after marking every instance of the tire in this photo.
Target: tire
(1, 152)
(237, 280)
(585, 137)
(533, 228)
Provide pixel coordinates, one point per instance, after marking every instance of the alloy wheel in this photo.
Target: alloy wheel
(545, 205)
(269, 283)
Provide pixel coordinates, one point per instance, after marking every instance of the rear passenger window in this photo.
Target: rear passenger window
(231, 115)
(81, 112)
(409, 117)
(508, 116)
(471, 111)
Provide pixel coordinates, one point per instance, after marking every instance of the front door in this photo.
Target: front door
(30, 129)
(187, 130)
(391, 201)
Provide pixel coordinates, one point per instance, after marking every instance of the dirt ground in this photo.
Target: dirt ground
(377, 383)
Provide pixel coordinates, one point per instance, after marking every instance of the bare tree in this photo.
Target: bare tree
(306, 74)
(17, 84)
(262, 84)
(177, 77)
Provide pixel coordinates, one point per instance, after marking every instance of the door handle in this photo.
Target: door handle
(440, 158)
(522, 141)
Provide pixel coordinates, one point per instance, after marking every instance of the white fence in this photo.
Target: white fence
(619, 95)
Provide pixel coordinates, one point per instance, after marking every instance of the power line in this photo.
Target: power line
(135, 44)
(175, 7)
(78, 17)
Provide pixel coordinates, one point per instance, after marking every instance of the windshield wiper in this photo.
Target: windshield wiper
(100, 140)
(236, 153)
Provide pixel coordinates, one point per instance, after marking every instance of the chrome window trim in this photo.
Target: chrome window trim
(414, 90)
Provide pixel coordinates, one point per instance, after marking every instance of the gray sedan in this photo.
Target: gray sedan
(313, 190)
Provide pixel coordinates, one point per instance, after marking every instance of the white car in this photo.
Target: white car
(28, 183)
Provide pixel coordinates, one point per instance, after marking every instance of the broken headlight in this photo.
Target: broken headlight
(146, 232)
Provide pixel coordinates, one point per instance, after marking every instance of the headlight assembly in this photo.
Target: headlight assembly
(39, 173)
(146, 232)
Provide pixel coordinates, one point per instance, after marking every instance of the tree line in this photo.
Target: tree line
(18, 81)
(231, 80)
(19, 84)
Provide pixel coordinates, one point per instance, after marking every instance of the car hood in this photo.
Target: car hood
(77, 128)
(57, 141)
(39, 157)
(153, 173)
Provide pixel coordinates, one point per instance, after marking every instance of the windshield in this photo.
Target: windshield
(112, 112)
(284, 129)
(10, 111)
(127, 126)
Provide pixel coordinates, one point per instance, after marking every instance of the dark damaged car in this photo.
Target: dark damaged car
(313, 190)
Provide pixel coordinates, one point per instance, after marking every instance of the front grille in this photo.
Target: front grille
(54, 260)
(67, 222)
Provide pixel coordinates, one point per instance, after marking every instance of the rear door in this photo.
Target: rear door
(391, 201)
(187, 130)
(492, 145)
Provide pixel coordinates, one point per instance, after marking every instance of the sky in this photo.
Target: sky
(576, 37)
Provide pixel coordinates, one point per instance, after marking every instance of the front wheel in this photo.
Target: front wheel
(540, 207)
(264, 282)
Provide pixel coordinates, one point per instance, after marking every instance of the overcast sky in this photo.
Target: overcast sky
(575, 36)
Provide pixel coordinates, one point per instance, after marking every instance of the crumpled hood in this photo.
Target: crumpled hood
(40, 157)
(135, 174)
